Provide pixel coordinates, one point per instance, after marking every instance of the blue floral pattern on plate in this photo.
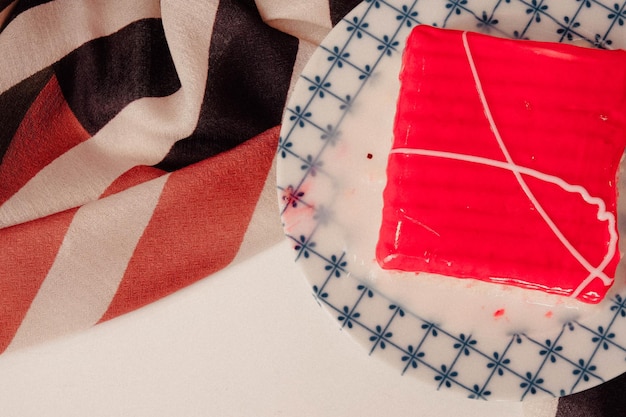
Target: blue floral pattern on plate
(577, 355)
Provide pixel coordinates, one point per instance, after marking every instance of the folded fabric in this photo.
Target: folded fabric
(137, 142)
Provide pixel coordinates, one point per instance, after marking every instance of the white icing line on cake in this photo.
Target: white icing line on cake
(417, 222)
(593, 272)
(603, 214)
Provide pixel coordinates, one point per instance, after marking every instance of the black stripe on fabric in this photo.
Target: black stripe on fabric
(250, 68)
(340, 8)
(606, 400)
(15, 102)
(104, 75)
(249, 4)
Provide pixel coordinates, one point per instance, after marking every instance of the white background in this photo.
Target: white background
(248, 341)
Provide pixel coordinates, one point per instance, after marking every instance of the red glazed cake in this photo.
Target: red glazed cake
(504, 160)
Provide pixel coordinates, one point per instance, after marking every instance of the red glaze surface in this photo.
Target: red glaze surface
(559, 110)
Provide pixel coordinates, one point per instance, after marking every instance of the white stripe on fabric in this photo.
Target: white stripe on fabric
(90, 264)
(305, 50)
(41, 36)
(141, 134)
(305, 20)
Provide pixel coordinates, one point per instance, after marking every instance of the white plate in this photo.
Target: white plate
(331, 171)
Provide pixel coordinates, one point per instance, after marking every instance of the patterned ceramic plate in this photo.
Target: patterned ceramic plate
(480, 340)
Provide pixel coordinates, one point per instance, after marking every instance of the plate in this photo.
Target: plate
(480, 340)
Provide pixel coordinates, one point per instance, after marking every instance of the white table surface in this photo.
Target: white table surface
(248, 341)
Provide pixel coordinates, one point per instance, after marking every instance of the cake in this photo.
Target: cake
(504, 161)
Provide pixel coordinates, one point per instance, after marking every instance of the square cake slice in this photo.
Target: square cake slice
(504, 160)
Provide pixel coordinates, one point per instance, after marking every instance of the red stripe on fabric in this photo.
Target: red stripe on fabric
(48, 130)
(132, 177)
(27, 252)
(198, 224)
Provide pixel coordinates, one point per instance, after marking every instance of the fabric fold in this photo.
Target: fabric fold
(136, 153)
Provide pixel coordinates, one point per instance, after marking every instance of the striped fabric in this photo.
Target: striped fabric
(136, 148)
(136, 145)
